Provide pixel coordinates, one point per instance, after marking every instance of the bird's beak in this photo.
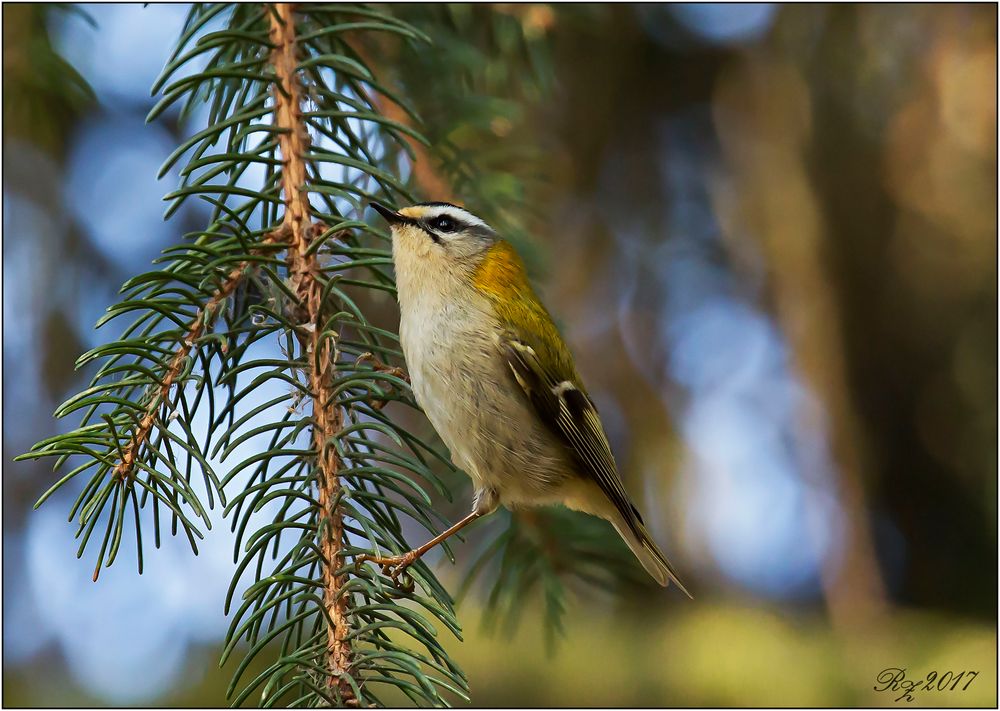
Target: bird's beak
(391, 216)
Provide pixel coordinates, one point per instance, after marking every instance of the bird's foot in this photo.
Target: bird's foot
(380, 367)
(394, 566)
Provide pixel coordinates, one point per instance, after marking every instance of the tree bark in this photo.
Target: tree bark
(318, 346)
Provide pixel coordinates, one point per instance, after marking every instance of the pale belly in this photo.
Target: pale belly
(464, 387)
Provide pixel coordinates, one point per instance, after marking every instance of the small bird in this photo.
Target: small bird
(492, 373)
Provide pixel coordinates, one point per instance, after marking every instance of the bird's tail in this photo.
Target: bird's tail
(652, 559)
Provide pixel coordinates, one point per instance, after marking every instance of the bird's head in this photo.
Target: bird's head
(441, 248)
(439, 232)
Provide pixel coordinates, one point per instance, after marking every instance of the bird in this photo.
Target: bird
(493, 375)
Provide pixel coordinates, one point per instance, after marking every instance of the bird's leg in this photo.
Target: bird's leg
(393, 566)
(380, 367)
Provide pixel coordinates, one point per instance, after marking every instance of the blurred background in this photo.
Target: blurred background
(769, 234)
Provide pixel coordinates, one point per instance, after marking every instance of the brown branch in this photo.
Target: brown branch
(304, 271)
(432, 184)
(140, 436)
(426, 176)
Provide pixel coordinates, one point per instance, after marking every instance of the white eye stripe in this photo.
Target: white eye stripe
(458, 214)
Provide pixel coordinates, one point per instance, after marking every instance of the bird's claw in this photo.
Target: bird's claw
(394, 568)
(380, 367)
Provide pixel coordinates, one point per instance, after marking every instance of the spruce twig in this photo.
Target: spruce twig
(202, 320)
(285, 95)
(318, 343)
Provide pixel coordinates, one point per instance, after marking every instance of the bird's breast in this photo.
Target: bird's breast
(448, 348)
(464, 386)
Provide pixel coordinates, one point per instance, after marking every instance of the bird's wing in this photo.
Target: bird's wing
(565, 408)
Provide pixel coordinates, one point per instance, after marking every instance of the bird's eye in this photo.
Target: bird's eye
(443, 224)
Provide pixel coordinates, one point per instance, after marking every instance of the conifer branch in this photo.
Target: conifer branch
(317, 341)
(423, 162)
(124, 468)
(424, 172)
(284, 261)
